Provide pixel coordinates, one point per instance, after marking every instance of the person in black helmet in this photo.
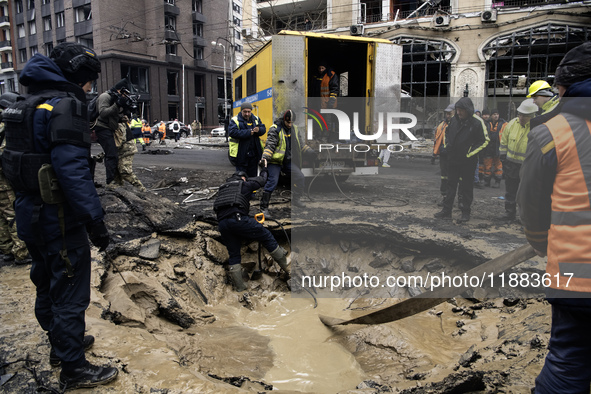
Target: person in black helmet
(231, 207)
(283, 151)
(55, 225)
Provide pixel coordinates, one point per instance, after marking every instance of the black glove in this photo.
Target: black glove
(263, 163)
(433, 160)
(332, 101)
(98, 234)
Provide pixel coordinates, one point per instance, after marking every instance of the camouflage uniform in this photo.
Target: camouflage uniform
(9, 241)
(125, 166)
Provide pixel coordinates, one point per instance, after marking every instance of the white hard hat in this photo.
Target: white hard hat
(527, 107)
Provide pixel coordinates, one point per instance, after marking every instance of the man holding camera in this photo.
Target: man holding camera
(112, 106)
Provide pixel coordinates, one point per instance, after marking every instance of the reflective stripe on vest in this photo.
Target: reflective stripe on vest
(279, 153)
(569, 251)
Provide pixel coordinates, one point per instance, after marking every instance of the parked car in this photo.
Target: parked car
(218, 132)
(185, 131)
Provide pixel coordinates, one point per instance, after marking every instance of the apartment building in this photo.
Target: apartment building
(487, 49)
(175, 53)
(8, 78)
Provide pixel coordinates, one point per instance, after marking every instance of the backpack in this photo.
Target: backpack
(175, 126)
(93, 111)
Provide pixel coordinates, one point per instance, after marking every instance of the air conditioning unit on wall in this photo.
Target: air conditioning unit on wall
(356, 30)
(441, 20)
(489, 16)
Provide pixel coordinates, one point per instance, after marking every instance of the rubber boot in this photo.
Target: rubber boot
(465, 217)
(295, 201)
(235, 271)
(280, 256)
(265, 198)
(487, 181)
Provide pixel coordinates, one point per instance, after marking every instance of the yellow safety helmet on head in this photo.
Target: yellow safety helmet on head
(541, 87)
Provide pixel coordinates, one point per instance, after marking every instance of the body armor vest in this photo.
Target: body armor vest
(229, 195)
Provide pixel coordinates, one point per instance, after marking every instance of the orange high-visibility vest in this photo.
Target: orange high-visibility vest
(439, 137)
(569, 246)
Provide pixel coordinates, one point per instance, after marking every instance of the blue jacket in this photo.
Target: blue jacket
(70, 163)
(244, 147)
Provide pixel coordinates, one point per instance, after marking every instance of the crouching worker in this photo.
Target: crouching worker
(47, 161)
(231, 207)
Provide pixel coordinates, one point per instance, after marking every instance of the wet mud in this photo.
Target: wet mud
(164, 313)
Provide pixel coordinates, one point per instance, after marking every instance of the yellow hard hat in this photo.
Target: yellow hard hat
(537, 86)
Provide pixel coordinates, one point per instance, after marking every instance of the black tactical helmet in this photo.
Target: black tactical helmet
(240, 174)
(78, 63)
(7, 99)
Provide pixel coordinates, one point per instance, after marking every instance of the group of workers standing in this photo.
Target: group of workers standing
(545, 160)
(469, 142)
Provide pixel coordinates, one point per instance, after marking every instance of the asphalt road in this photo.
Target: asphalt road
(198, 158)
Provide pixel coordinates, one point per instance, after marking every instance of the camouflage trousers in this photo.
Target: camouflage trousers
(9, 240)
(126, 173)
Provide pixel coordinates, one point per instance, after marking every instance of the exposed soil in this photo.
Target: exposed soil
(163, 312)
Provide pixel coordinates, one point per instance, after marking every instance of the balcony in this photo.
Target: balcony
(6, 67)
(281, 8)
(525, 3)
(171, 9)
(200, 63)
(4, 21)
(174, 58)
(5, 46)
(82, 28)
(171, 35)
(198, 17)
(199, 41)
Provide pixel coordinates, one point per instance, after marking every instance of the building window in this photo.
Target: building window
(238, 48)
(48, 48)
(170, 22)
(171, 49)
(198, 29)
(31, 5)
(19, 6)
(199, 89)
(32, 27)
(47, 23)
(237, 34)
(198, 53)
(20, 30)
(44, 2)
(138, 76)
(251, 81)
(198, 6)
(237, 21)
(426, 73)
(236, 7)
(173, 82)
(238, 88)
(23, 55)
(59, 19)
(34, 50)
(87, 42)
(221, 89)
(83, 13)
(516, 60)
(169, 2)
(10, 83)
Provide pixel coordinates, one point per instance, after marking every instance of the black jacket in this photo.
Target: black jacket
(251, 184)
(465, 138)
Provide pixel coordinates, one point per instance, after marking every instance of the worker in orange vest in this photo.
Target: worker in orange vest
(439, 148)
(555, 209)
(162, 131)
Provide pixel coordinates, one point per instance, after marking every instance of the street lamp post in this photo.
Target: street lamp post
(225, 81)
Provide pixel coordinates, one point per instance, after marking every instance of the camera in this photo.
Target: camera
(126, 100)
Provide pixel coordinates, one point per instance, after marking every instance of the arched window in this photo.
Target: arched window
(426, 74)
(515, 60)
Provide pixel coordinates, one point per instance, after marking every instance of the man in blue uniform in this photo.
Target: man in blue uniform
(54, 216)
(231, 207)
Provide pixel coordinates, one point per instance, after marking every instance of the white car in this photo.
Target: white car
(218, 132)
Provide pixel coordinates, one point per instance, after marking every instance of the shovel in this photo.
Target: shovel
(430, 299)
(258, 274)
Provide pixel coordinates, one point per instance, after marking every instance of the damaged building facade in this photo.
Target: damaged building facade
(487, 50)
